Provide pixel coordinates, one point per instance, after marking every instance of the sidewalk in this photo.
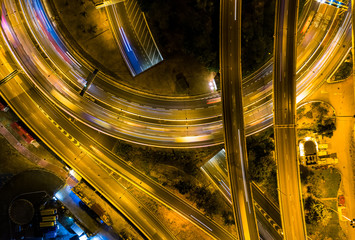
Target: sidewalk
(31, 156)
(65, 195)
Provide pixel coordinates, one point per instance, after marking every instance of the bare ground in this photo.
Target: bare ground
(89, 28)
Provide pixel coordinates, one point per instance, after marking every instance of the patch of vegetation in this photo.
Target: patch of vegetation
(202, 196)
(321, 183)
(316, 212)
(186, 160)
(300, 111)
(330, 181)
(316, 118)
(228, 218)
(258, 18)
(317, 229)
(186, 164)
(262, 166)
(345, 69)
(185, 26)
(325, 127)
(11, 160)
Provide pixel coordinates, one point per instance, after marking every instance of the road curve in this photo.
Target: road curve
(190, 123)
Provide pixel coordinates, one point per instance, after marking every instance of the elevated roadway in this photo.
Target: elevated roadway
(266, 212)
(89, 155)
(86, 150)
(160, 120)
(55, 133)
(233, 119)
(288, 172)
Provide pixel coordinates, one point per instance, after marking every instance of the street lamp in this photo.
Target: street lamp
(344, 116)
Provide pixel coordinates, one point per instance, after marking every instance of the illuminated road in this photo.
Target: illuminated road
(128, 52)
(74, 155)
(233, 119)
(95, 153)
(138, 123)
(159, 120)
(137, 178)
(288, 173)
(86, 158)
(266, 212)
(133, 37)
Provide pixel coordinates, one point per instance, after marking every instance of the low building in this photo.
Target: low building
(308, 151)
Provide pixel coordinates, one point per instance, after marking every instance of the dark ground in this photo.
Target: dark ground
(19, 186)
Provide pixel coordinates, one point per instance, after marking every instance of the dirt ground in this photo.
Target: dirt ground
(89, 28)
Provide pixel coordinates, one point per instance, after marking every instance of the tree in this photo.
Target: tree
(183, 186)
(260, 168)
(306, 174)
(325, 127)
(260, 148)
(317, 213)
(205, 200)
(228, 218)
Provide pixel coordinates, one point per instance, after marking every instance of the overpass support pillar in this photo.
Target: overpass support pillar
(89, 80)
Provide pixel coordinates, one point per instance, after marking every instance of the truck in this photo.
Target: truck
(22, 132)
(101, 213)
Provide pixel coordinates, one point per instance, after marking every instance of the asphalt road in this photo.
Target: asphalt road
(142, 118)
(233, 119)
(85, 159)
(75, 156)
(288, 173)
(268, 215)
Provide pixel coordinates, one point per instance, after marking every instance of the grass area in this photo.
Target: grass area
(148, 158)
(309, 114)
(329, 182)
(323, 184)
(87, 28)
(332, 230)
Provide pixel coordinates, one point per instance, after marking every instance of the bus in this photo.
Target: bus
(47, 224)
(49, 218)
(51, 211)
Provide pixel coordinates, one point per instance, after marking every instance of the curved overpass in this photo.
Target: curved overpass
(157, 120)
(95, 163)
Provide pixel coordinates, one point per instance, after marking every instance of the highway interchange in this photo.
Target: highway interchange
(284, 89)
(161, 121)
(55, 73)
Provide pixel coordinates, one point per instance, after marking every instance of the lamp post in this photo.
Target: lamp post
(353, 116)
